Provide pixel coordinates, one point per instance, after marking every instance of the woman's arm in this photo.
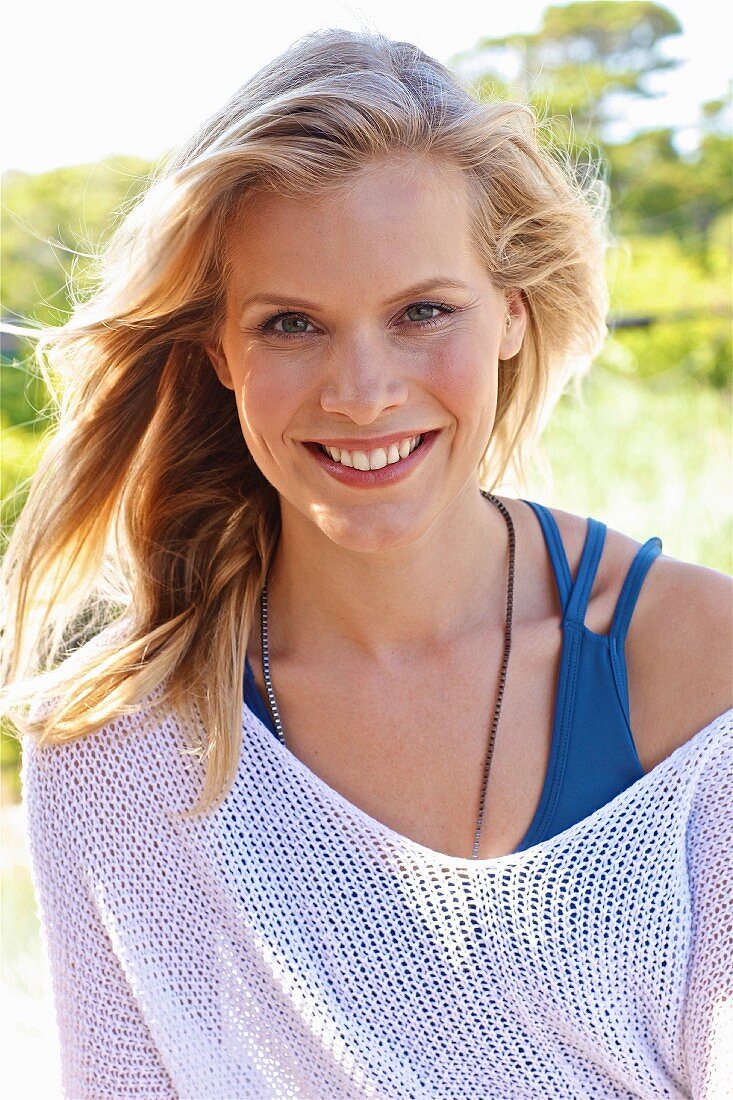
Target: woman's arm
(679, 656)
(106, 1047)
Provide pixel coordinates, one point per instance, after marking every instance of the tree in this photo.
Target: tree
(584, 60)
(658, 190)
(582, 70)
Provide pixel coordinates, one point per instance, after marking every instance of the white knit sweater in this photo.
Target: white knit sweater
(293, 946)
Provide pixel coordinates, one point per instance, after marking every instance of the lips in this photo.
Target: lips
(372, 479)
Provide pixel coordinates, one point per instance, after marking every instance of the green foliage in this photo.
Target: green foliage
(20, 450)
(585, 64)
(690, 339)
(24, 394)
(655, 190)
(52, 226)
(581, 60)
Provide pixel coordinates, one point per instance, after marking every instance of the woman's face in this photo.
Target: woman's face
(343, 327)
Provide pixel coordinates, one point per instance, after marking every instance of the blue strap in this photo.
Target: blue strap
(595, 537)
(645, 555)
(573, 596)
(558, 558)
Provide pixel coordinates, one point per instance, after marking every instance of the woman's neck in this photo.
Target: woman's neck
(418, 597)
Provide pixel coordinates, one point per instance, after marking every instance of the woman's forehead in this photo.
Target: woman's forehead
(418, 214)
(312, 269)
(375, 189)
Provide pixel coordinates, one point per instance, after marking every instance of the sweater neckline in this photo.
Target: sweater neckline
(429, 856)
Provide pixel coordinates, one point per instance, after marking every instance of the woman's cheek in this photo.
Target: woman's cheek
(268, 400)
(460, 375)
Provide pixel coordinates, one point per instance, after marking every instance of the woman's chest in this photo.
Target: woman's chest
(408, 744)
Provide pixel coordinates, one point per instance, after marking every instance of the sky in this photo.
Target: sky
(84, 80)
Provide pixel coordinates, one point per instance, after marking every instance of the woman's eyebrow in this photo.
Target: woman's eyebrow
(274, 298)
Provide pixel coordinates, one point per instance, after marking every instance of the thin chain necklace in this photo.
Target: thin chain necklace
(502, 679)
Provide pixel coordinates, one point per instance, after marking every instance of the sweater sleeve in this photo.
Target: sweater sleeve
(708, 1010)
(106, 1048)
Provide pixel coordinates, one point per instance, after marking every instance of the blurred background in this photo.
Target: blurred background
(97, 102)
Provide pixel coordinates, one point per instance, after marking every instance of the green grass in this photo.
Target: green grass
(646, 460)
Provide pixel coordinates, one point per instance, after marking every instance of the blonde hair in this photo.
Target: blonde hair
(150, 518)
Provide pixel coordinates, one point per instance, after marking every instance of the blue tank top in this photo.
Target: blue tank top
(592, 756)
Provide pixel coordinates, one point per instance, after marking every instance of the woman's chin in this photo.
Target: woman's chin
(376, 529)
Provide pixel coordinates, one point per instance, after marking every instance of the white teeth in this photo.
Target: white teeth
(377, 459)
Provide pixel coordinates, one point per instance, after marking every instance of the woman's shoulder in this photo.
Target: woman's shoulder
(679, 646)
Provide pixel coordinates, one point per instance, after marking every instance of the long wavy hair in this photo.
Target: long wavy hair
(140, 554)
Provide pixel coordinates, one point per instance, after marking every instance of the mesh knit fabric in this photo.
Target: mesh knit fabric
(293, 946)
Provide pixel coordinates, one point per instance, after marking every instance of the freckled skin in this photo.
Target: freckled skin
(363, 368)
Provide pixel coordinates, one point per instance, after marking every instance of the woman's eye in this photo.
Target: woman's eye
(286, 318)
(422, 322)
(424, 307)
(289, 320)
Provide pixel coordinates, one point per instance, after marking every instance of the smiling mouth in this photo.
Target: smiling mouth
(357, 470)
(375, 459)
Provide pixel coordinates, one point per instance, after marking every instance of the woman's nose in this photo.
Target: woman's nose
(362, 383)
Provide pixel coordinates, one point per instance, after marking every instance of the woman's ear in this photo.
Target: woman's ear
(220, 365)
(513, 334)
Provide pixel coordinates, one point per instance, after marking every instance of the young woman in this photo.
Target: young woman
(468, 832)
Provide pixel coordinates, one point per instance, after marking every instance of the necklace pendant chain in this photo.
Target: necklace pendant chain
(266, 664)
(502, 678)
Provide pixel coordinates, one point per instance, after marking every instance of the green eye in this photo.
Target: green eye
(269, 325)
(293, 319)
(424, 306)
(426, 322)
